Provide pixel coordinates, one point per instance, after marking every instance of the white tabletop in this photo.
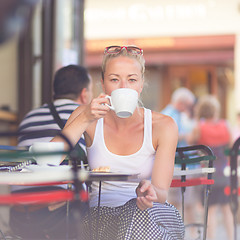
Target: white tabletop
(34, 175)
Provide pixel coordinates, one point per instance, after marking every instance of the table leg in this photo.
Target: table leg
(99, 204)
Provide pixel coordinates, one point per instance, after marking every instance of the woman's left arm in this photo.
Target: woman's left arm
(165, 138)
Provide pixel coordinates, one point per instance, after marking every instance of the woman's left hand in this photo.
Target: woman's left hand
(146, 195)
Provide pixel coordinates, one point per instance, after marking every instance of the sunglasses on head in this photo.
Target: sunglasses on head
(118, 49)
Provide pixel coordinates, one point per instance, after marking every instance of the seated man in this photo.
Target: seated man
(72, 87)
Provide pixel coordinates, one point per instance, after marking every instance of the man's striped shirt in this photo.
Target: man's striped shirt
(42, 125)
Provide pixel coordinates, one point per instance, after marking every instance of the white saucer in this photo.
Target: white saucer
(34, 168)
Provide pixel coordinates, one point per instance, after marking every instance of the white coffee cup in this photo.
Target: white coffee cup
(123, 101)
(47, 147)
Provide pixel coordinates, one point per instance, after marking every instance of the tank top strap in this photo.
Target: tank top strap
(98, 136)
(148, 128)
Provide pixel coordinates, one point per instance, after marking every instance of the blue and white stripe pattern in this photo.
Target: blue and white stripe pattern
(42, 125)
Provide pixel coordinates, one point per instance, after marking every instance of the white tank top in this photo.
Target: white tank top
(116, 193)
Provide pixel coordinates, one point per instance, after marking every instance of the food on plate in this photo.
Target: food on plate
(101, 169)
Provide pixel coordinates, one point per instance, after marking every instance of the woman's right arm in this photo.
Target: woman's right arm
(81, 119)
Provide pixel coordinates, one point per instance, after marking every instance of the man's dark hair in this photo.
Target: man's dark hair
(69, 82)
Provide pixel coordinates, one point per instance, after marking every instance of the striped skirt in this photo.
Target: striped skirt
(128, 222)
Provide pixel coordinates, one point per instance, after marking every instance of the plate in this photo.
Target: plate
(112, 176)
(109, 173)
(34, 168)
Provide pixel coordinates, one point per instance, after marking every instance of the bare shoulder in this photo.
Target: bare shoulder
(164, 130)
(163, 122)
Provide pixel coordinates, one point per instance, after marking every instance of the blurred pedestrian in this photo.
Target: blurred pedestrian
(236, 128)
(182, 101)
(215, 132)
(181, 110)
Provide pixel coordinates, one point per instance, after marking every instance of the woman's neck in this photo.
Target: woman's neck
(120, 123)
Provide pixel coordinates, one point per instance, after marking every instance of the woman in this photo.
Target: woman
(144, 143)
(214, 132)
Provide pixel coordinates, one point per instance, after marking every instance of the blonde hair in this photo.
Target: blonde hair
(208, 107)
(123, 52)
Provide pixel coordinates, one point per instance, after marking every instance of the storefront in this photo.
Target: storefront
(190, 44)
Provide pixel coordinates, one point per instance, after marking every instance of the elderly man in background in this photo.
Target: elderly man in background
(181, 110)
(182, 102)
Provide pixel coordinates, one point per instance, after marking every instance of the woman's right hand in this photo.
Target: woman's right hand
(97, 108)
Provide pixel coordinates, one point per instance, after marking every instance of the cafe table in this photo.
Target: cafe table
(34, 175)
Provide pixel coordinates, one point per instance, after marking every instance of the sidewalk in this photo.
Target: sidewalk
(221, 233)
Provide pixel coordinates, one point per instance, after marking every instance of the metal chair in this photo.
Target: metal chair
(186, 156)
(13, 158)
(234, 190)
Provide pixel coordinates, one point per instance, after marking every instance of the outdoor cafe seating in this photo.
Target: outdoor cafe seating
(14, 160)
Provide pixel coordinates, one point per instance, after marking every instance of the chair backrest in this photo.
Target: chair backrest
(190, 157)
(234, 154)
(190, 161)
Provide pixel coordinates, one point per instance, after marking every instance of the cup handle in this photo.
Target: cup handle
(110, 106)
(30, 149)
